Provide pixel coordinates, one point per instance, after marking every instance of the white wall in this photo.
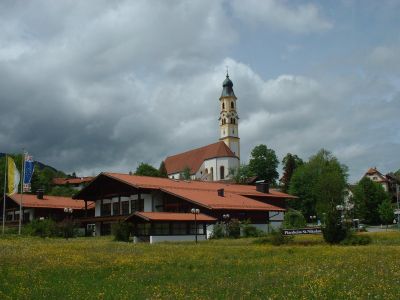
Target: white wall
(175, 238)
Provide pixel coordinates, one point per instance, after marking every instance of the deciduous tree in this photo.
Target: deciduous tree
(147, 170)
(264, 163)
(290, 163)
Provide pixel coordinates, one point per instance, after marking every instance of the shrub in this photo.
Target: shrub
(218, 231)
(233, 228)
(42, 228)
(334, 231)
(122, 231)
(67, 228)
(356, 239)
(277, 238)
(294, 219)
(249, 230)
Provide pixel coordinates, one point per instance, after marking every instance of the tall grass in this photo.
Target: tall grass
(99, 268)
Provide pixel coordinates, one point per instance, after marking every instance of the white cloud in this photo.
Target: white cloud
(302, 18)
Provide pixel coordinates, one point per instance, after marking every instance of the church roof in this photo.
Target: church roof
(194, 158)
(227, 87)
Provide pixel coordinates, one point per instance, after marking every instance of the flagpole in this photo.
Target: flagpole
(4, 193)
(22, 190)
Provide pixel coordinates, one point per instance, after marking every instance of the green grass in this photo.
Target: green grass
(98, 268)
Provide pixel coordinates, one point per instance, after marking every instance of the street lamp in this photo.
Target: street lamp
(195, 211)
(313, 218)
(226, 218)
(68, 222)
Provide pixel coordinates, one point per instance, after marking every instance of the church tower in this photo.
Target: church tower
(228, 117)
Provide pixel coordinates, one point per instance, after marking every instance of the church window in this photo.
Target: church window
(232, 105)
(212, 173)
(223, 105)
(226, 121)
(206, 171)
(222, 172)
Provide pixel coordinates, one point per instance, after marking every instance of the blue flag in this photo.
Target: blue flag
(29, 168)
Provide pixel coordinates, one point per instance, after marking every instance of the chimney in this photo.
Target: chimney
(221, 192)
(39, 193)
(262, 186)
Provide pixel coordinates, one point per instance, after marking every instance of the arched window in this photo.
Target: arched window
(226, 121)
(232, 105)
(206, 171)
(223, 105)
(234, 121)
(222, 172)
(212, 173)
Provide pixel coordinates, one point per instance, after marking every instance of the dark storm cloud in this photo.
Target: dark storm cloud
(96, 86)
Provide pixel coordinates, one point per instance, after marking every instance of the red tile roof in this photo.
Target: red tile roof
(194, 158)
(50, 201)
(167, 216)
(205, 193)
(231, 201)
(64, 181)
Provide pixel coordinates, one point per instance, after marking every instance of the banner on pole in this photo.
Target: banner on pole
(29, 169)
(13, 176)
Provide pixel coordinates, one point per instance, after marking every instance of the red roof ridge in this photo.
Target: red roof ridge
(195, 157)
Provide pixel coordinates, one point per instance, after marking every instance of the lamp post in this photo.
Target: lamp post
(195, 211)
(226, 218)
(69, 212)
(313, 219)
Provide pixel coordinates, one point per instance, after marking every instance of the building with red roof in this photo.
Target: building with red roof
(161, 208)
(213, 162)
(45, 206)
(76, 183)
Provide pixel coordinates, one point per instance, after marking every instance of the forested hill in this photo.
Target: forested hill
(42, 176)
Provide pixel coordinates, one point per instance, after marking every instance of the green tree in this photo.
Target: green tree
(290, 163)
(294, 219)
(241, 174)
(319, 183)
(162, 170)
(185, 174)
(367, 197)
(386, 212)
(264, 163)
(147, 170)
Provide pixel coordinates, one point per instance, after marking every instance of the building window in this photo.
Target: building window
(115, 207)
(206, 171)
(160, 229)
(212, 173)
(222, 172)
(125, 207)
(143, 229)
(179, 228)
(137, 205)
(200, 228)
(223, 105)
(232, 105)
(105, 209)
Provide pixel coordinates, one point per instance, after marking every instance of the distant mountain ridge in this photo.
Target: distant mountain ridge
(38, 164)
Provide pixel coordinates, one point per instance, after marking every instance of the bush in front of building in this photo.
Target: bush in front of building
(294, 219)
(42, 228)
(233, 228)
(218, 231)
(334, 231)
(121, 231)
(249, 230)
(67, 228)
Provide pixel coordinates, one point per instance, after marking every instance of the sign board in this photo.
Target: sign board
(314, 230)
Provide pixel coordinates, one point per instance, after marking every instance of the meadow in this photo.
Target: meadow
(99, 268)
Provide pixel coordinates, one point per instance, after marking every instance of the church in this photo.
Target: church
(215, 161)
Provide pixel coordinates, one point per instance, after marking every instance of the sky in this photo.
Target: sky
(99, 85)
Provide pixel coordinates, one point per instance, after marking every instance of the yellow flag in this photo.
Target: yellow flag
(13, 176)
